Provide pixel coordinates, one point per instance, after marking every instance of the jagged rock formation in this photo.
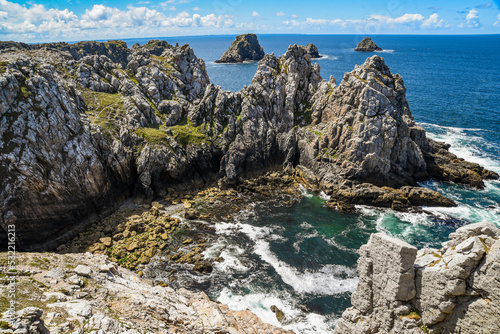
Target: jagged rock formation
(454, 289)
(367, 45)
(312, 50)
(85, 293)
(85, 126)
(244, 47)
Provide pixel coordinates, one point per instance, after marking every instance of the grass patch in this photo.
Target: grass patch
(3, 67)
(359, 78)
(154, 136)
(104, 108)
(186, 134)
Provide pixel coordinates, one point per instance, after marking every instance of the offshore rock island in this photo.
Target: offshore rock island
(244, 48)
(367, 45)
(89, 126)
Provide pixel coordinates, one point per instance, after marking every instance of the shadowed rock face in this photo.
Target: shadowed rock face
(312, 50)
(367, 45)
(244, 47)
(81, 131)
(454, 289)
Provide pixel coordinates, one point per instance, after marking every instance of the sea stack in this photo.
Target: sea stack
(244, 47)
(312, 50)
(367, 45)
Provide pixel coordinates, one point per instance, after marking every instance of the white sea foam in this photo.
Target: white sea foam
(325, 281)
(464, 144)
(386, 51)
(260, 304)
(304, 192)
(325, 57)
(324, 196)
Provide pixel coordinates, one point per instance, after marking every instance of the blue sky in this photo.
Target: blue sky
(70, 20)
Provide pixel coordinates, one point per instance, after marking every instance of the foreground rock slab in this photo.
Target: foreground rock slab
(112, 300)
(455, 289)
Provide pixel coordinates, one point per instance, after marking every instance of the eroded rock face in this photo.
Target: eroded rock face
(85, 126)
(244, 47)
(367, 45)
(454, 289)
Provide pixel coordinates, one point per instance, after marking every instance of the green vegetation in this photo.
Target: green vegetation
(424, 328)
(155, 136)
(359, 78)
(104, 108)
(414, 314)
(3, 67)
(4, 325)
(186, 134)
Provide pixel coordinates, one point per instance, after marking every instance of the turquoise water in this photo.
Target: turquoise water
(302, 258)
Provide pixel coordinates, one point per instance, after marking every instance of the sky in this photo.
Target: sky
(73, 20)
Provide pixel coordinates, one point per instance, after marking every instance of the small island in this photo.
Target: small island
(367, 45)
(312, 50)
(243, 48)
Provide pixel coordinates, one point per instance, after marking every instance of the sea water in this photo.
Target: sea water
(302, 257)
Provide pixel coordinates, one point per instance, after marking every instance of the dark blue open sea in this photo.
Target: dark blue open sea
(302, 258)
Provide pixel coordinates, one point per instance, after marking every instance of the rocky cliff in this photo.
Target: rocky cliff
(244, 47)
(86, 125)
(367, 45)
(455, 289)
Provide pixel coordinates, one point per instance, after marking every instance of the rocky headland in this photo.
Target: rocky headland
(244, 48)
(367, 45)
(455, 289)
(86, 126)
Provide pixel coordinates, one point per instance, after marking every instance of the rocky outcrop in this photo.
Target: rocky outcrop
(244, 47)
(312, 50)
(454, 289)
(93, 295)
(367, 45)
(85, 126)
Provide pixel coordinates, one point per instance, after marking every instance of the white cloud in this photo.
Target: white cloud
(35, 22)
(280, 13)
(404, 19)
(255, 14)
(411, 20)
(434, 22)
(196, 8)
(497, 23)
(294, 16)
(473, 19)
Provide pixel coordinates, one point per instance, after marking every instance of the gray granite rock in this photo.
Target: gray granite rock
(454, 289)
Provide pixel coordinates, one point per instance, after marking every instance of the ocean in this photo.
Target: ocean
(302, 258)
